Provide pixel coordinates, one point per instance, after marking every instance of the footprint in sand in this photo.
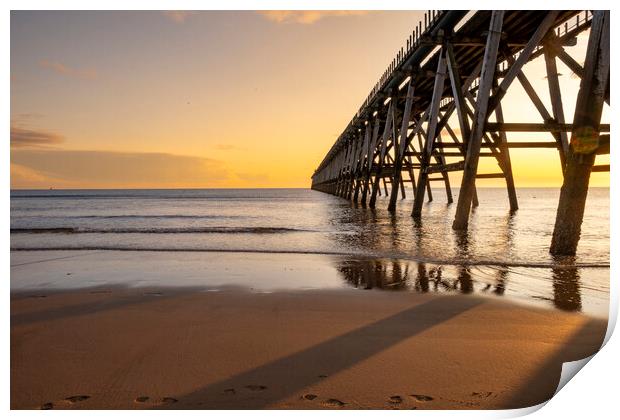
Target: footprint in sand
(421, 398)
(169, 400)
(323, 376)
(395, 399)
(256, 387)
(308, 397)
(47, 406)
(77, 398)
(332, 402)
(141, 399)
(230, 391)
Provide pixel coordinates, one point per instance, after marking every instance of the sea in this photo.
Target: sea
(503, 254)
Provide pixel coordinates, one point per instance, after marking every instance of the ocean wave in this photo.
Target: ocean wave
(138, 216)
(147, 197)
(212, 229)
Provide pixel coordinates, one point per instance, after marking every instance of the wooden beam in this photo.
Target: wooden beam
(451, 154)
(488, 176)
(531, 92)
(532, 145)
(571, 63)
(466, 41)
(600, 168)
(536, 127)
(510, 144)
(524, 56)
(448, 167)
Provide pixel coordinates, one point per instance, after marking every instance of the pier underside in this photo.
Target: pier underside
(437, 109)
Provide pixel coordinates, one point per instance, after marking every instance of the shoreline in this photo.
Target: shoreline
(313, 349)
(576, 289)
(349, 254)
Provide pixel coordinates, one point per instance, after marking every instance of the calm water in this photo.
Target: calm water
(502, 253)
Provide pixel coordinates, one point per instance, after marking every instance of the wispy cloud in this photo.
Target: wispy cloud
(27, 116)
(65, 70)
(178, 16)
(28, 138)
(306, 16)
(104, 169)
(24, 177)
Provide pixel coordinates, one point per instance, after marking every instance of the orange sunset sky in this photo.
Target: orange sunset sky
(150, 99)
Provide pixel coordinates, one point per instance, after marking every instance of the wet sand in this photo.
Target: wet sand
(188, 348)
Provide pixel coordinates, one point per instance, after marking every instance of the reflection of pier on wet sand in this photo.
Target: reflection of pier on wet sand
(423, 277)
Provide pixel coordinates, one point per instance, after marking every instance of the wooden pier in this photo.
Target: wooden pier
(437, 109)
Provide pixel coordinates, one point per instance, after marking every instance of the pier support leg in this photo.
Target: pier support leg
(459, 103)
(386, 134)
(487, 77)
(584, 139)
(370, 159)
(440, 77)
(402, 147)
(507, 164)
(556, 101)
(367, 180)
(359, 167)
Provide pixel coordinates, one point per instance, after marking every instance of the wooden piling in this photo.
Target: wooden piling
(584, 139)
(402, 146)
(386, 135)
(468, 182)
(440, 76)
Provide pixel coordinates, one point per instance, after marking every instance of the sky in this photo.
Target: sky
(152, 99)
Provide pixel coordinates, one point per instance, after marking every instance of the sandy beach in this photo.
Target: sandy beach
(230, 348)
(210, 210)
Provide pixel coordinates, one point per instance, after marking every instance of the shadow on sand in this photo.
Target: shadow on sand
(286, 376)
